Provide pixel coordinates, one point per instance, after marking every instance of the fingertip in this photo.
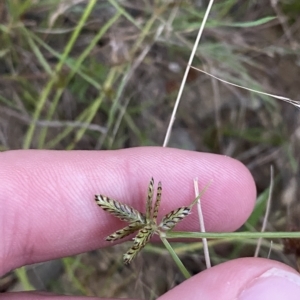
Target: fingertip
(242, 279)
(230, 198)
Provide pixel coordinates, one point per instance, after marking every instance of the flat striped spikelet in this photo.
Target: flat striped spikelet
(174, 217)
(149, 199)
(121, 233)
(157, 202)
(142, 238)
(145, 224)
(120, 210)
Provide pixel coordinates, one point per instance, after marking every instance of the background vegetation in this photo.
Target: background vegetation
(104, 75)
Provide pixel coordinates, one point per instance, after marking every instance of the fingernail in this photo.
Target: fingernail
(273, 284)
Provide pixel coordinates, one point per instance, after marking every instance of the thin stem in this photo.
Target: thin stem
(202, 226)
(23, 278)
(267, 211)
(168, 133)
(177, 260)
(237, 235)
(285, 99)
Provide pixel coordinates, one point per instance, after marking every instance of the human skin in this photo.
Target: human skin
(47, 207)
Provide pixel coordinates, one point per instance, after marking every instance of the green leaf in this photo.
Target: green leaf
(259, 209)
(249, 24)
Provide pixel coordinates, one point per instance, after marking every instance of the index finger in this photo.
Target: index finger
(47, 207)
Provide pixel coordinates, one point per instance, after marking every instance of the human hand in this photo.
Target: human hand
(47, 210)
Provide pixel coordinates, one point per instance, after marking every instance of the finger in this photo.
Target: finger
(43, 296)
(241, 279)
(47, 206)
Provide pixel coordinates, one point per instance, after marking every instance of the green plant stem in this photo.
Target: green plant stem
(46, 91)
(111, 78)
(177, 260)
(236, 235)
(23, 278)
(69, 62)
(71, 264)
(74, 70)
(121, 10)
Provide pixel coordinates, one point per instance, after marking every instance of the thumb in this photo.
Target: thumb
(241, 279)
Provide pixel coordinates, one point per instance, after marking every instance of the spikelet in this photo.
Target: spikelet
(149, 199)
(121, 233)
(140, 241)
(120, 210)
(174, 217)
(157, 202)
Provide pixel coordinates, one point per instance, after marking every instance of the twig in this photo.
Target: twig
(270, 249)
(282, 20)
(267, 211)
(168, 133)
(202, 227)
(285, 99)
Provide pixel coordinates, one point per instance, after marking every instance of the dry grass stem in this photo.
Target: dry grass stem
(267, 210)
(202, 226)
(173, 116)
(285, 99)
